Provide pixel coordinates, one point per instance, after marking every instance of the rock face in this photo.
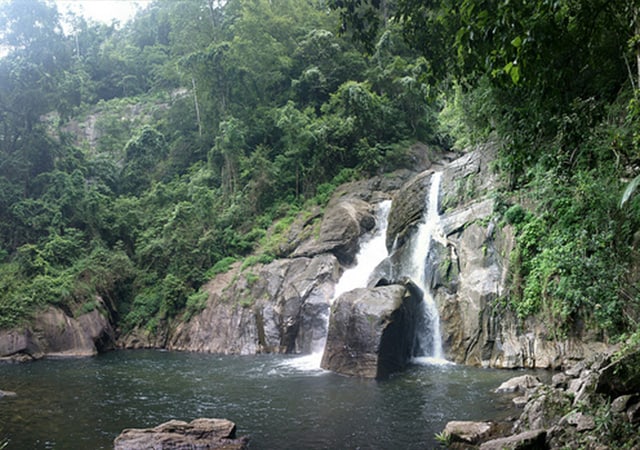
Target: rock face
(54, 333)
(372, 331)
(199, 434)
(467, 270)
(278, 307)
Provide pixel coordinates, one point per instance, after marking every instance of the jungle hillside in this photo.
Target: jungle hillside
(139, 160)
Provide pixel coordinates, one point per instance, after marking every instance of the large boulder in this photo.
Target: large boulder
(342, 225)
(199, 434)
(519, 384)
(55, 333)
(372, 331)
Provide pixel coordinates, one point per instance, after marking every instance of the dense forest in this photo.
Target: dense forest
(137, 161)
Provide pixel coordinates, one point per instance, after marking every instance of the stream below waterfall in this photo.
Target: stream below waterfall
(85, 403)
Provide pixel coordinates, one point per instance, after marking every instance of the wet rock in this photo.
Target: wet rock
(529, 440)
(175, 434)
(519, 384)
(469, 432)
(372, 331)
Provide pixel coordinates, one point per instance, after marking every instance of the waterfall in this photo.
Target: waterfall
(429, 338)
(372, 252)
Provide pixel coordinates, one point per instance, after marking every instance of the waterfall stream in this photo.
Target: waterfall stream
(372, 252)
(430, 229)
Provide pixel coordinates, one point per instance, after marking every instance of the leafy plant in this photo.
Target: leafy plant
(443, 438)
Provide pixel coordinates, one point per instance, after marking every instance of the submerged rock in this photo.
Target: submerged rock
(372, 331)
(199, 434)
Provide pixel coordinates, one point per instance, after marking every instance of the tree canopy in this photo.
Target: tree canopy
(136, 162)
(134, 159)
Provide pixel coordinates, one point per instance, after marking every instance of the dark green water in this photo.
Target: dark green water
(85, 403)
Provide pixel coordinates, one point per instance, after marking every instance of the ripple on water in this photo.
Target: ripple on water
(279, 401)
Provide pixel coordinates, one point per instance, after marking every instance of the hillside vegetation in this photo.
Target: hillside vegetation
(138, 161)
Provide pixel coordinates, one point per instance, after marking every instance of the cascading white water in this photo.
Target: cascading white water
(429, 336)
(373, 251)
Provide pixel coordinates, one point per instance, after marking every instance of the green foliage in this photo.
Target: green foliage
(515, 215)
(221, 266)
(196, 303)
(204, 136)
(576, 236)
(443, 438)
(143, 310)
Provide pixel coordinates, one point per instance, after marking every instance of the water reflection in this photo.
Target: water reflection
(85, 403)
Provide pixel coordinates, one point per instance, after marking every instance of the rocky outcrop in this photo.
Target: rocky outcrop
(519, 384)
(579, 409)
(349, 214)
(468, 268)
(529, 440)
(372, 331)
(54, 333)
(278, 307)
(340, 229)
(175, 434)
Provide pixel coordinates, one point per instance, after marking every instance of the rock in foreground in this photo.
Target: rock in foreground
(198, 434)
(372, 331)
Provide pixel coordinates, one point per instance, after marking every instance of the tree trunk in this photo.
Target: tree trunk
(195, 99)
(636, 20)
